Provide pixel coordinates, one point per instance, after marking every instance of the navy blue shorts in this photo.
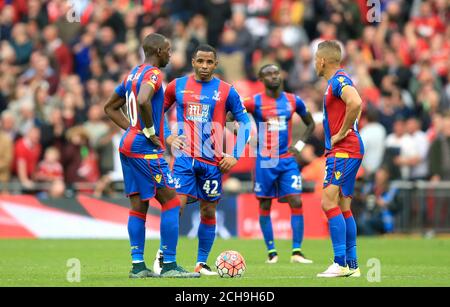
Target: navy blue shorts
(342, 172)
(279, 180)
(144, 175)
(197, 179)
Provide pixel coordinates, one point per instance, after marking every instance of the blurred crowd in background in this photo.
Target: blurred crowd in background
(60, 60)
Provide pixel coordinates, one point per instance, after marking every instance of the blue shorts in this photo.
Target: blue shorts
(196, 179)
(144, 176)
(342, 172)
(277, 181)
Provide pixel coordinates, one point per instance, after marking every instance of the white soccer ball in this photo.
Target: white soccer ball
(230, 264)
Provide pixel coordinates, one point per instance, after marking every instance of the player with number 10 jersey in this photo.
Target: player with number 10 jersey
(146, 173)
(134, 144)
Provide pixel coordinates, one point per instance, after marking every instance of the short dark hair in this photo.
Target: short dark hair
(152, 42)
(205, 48)
(265, 66)
(372, 114)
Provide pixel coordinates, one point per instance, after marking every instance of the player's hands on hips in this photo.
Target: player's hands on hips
(227, 163)
(150, 134)
(339, 137)
(179, 142)
(293, 150)
(155, 140)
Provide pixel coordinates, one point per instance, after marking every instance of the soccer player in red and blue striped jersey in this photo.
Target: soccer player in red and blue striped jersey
(202, 102)
(344, 152)
(146, 173)
(277, 172)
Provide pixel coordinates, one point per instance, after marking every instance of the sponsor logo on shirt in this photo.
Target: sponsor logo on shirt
(277, 123)
(197, 112)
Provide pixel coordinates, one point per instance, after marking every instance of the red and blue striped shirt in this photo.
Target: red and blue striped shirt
(273, 117)
(133, 142)
(333, 118)
(201, 114)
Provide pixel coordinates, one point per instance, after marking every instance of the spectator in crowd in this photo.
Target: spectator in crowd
(6, 156)
(27, 151)
(418, 163)
(244, 40)
(78, 159)
(230, 54)
(21, 43)
(380, 206)
(95, 126)
(100, 137)
(40, 70)
(303, 72)
(400, 151)
(114, 174)
(439, 155)
(6, 22)
(217, 12)
(50, 171)
(373, 135)
(400, 64)
(53, 130)
(8, 125)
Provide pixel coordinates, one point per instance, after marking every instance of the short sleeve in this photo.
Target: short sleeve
(169, 95)
(300, 106)
(235, 104)
(120, 90)
(249, 104)
(339, 82)
(154, 78)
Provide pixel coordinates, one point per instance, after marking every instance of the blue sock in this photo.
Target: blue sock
(297, 224)
(350, 223)
(136, 232)
(169, 229)
(336, 224)
(206, 236)
(266, 227)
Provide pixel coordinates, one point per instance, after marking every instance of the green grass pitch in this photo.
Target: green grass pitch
(404, 262)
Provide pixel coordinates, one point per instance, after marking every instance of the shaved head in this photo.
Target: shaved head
(157, 47)
(330, 51)
(152, 43)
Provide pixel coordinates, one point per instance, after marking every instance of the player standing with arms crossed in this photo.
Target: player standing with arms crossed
(344, 153)
(277, 173)
(146, 173)
(202, 102)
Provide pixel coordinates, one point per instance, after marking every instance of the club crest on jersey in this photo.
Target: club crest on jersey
(169, 178)
(342, 81)
(216, 96)
(337, 175)
(158, 178)
(177, 183)
(154, 78)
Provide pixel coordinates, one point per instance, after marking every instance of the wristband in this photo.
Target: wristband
(148, 132)
(299, 145)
